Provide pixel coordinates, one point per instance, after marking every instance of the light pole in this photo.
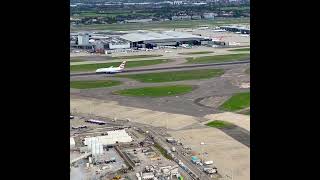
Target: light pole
(202, 144)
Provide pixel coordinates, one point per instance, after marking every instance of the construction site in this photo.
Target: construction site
(121, 149)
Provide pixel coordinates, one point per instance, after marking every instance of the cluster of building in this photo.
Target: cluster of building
(159, 172)
(141, 39)
(209, 16)
(240, 29)
(120, 20)
(97, 42)
(207, 166)
(100, 155)
(174, 3)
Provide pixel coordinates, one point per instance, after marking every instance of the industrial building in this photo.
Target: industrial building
(241, 29)
(83, 39)
(112, 137)
(72, 142)
(146, 39)
(185, 17)
(209, 15)
(138, 20)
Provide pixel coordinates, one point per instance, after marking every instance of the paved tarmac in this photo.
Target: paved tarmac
(184, 104)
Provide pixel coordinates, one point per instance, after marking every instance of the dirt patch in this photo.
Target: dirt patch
(227, 153)
(245, 85)
(111, 109)
(213, 101)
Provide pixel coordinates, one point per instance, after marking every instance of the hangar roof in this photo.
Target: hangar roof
(147, 35)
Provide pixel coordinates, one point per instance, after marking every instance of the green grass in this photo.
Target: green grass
(219, 124)
(199, 52)
(175, 75)
(93, 84)
(237, 102)
(218, 58)
(157, 91)
(162, 151)
(164, 24)
(240, 49)
(136, 57)
(130, 64)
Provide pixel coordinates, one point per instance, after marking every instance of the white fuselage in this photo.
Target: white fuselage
(109, 70)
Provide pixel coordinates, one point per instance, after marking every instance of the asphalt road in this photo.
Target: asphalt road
(168, 68)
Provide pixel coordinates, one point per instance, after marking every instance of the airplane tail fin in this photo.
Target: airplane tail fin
(122, 64)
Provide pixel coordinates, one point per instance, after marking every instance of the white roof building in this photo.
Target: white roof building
(112, 137)
(161, 36)
(72, 142)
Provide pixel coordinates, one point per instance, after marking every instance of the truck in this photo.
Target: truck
(195, 159)
(173, 149)
(208, 162)
(210, 170)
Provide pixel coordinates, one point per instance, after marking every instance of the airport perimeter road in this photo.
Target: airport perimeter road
(168, 68)
(194, 168)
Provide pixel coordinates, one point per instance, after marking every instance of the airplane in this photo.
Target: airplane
(111, 69)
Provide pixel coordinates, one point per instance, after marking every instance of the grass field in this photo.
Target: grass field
(130, 64)
(237, 102)
(93, 84)
(218, 58)
(158, 91)
(136, 57)
(199, 52)
(219, 124)
(164, 24)
(240, 49)
(175, 75)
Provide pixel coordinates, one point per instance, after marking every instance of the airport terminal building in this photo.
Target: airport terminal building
(146, 39)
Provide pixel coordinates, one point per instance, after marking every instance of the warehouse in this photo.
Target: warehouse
(112, 137)
(242, 30)
(72, 142)
(146, 39)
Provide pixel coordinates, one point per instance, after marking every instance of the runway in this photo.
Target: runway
(168, 68)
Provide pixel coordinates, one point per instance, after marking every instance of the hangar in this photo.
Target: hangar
(147, 39)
